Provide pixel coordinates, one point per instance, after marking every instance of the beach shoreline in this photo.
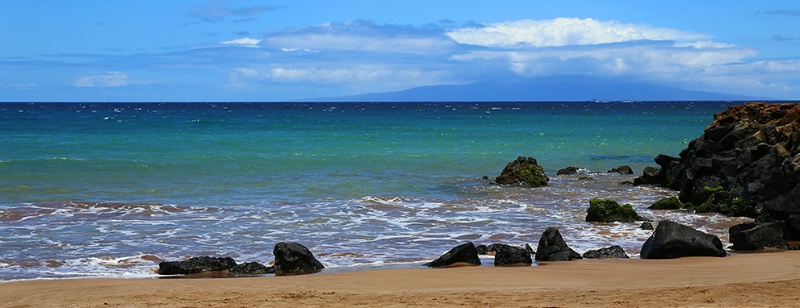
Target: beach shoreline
(748, 279)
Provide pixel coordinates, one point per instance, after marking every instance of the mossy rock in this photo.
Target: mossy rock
(608, 210)
(727, 203)
(671, 203)
(524, 170)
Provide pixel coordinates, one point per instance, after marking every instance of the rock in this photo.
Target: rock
(613, 252)
(759, 237)
(608, 210)
(508, 255)
(252, 268)
(650, 176)
(674, 240)
(294, 259)
(195, 265)
(752, 152)
(482, 249)
(552, 247)
(464, 254)
(646, 226)
(671, 203)
(621, 170)
(568, 170)
(523, 171)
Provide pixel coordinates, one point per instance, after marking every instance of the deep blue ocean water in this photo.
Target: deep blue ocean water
(108, 189)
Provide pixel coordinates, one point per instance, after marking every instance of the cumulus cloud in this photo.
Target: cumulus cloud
(245, 42)
(110, 79)
(362, 36)
(562, 32)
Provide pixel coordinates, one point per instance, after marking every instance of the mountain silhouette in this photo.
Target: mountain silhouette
(544, 89)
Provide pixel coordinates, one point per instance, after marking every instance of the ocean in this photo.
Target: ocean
(111, 189)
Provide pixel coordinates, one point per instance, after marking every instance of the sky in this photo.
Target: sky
(243, 50)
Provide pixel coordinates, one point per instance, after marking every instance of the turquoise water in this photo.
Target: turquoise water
(84, 187)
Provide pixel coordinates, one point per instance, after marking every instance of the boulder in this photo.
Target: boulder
(523, 171)
(552, 247)
(294, 259)
(646, 226)
(650, 176)
(608, 210)
(671, 203)
(482, 249)
(464, 254)
(507, 255)
(759, 237)
(195, 265)
(674, 240)
(613, 252)
(621, 170)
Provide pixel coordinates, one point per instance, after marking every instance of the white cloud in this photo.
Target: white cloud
(365, 77)
(110, 79)
(244, 42)
(563, 32)
(362, 36)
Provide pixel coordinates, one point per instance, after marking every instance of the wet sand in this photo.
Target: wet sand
(742, 280)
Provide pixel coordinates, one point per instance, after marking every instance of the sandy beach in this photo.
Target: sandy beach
(742, 280)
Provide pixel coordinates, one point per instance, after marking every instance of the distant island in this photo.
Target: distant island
(544, 89)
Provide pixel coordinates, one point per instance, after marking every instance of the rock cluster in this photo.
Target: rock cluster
(290, 259)
(746, 163)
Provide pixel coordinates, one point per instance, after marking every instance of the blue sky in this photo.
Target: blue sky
(241, 50)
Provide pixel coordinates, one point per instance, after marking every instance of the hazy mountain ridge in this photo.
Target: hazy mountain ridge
(545, 89)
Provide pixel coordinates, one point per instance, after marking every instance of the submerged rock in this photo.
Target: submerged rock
(552, 247)
(673, 240)
(464, 254)
(621, 170)
(523, 171)
(568, 170)
(294, 259)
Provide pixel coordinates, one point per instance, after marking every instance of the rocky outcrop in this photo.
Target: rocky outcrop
(552, 247)
(608, 210)
(613, 252)
(746, 163)
(673, 240)
(508, 255)
(757, 237)
(464, 254)
(523, 171)
(294, 259)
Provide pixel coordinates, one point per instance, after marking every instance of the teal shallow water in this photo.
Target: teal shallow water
(342, 178)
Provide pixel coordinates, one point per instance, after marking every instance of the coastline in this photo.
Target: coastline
(746, 279)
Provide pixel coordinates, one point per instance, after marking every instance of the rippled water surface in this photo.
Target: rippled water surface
(112, 189)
